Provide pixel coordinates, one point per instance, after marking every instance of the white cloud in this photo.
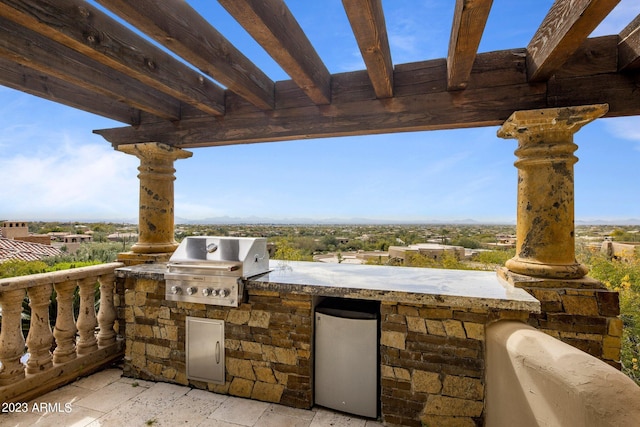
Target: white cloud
(625, 128)
(407, 43)
(67, 178)
(416, 33)
(355, 62)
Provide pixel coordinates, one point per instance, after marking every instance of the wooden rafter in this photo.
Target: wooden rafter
(79, 26)
(368, 24)
(272, 25)
(27, 80)
(35, 51)
(629, 46)
(563, 30)
(469, 20)
(70, 52)
(176, 25)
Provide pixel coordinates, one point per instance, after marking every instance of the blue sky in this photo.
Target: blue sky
(53, 168)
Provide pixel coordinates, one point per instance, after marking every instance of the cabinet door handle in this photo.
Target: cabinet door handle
(217, 351)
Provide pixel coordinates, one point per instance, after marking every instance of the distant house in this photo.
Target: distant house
(624, 251)
(58, 236)
(19, 230)
(13, 229)
(77, 238)
(123, 237)
(73, 241)
(503, 241)
(358, 257)
(434, 251)
(11, 249)
(506, 239)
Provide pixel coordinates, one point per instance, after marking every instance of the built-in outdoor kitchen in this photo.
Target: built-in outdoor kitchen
(220, 316)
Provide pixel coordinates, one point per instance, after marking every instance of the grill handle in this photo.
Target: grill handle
(207, 266)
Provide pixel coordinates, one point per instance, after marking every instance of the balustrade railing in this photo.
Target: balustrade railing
(74, 347)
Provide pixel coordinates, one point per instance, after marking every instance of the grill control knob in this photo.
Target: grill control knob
(176, 290)
(192, 290)
(223, 293)
(207, 292)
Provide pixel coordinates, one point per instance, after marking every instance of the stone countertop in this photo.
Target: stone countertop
(143, 271)
(454, 288)
(429, 286)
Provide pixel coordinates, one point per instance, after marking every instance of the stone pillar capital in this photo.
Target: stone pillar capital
(155, 151)
(538, 124)
(155, 222)
(545, 243)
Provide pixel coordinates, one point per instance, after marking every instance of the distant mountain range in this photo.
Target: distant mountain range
(228, 220)
(630, 221)
(302, 220)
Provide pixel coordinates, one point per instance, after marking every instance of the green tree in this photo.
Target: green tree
(330, 242)
(495, 258)
(451, 262)
(286, 251)
(466, 242)
(15, 268)
(617, 234)
(420, 260)
(622, 276)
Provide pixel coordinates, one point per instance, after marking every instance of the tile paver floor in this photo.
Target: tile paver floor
(108, 399)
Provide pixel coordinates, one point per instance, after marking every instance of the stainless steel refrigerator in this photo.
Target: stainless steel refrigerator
(346, 356)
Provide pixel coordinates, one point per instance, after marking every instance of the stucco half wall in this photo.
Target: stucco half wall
(533, 379)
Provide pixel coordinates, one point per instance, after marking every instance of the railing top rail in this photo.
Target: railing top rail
(29, 281)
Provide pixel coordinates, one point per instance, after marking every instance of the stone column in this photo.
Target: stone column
(156, 226)
(545, 243)
(574, 308)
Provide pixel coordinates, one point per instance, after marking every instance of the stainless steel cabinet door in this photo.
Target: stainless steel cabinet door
(205, 350)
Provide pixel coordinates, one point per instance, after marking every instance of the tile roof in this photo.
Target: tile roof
(26, 251)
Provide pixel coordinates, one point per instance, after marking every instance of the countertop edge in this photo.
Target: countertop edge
(398, 296)
(156, 272)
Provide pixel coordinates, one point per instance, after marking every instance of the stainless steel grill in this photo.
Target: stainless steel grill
(212, 270)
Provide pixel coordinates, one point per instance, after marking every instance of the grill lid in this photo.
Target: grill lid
(214, 255)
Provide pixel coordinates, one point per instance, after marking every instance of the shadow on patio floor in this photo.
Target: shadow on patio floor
(108, 399)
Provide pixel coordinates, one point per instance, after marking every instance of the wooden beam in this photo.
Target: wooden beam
(422, 103)
(497, 87)
(619, 90)
(174, 24)
(469, 20)
(82, 27)
(564, 29)
(35, 51)
(33, 82)
(368, 25)
(273, 26)
(598, 55)
(629, 46)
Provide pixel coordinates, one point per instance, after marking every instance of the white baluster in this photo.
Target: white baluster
(11, 338)
(86, 323)
(65, 329)
(40, 338)
(107, 312)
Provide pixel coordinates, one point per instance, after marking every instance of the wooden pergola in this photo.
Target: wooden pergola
(71, 52)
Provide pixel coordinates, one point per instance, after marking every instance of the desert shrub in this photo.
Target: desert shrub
(495, 258)
(622, 276)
